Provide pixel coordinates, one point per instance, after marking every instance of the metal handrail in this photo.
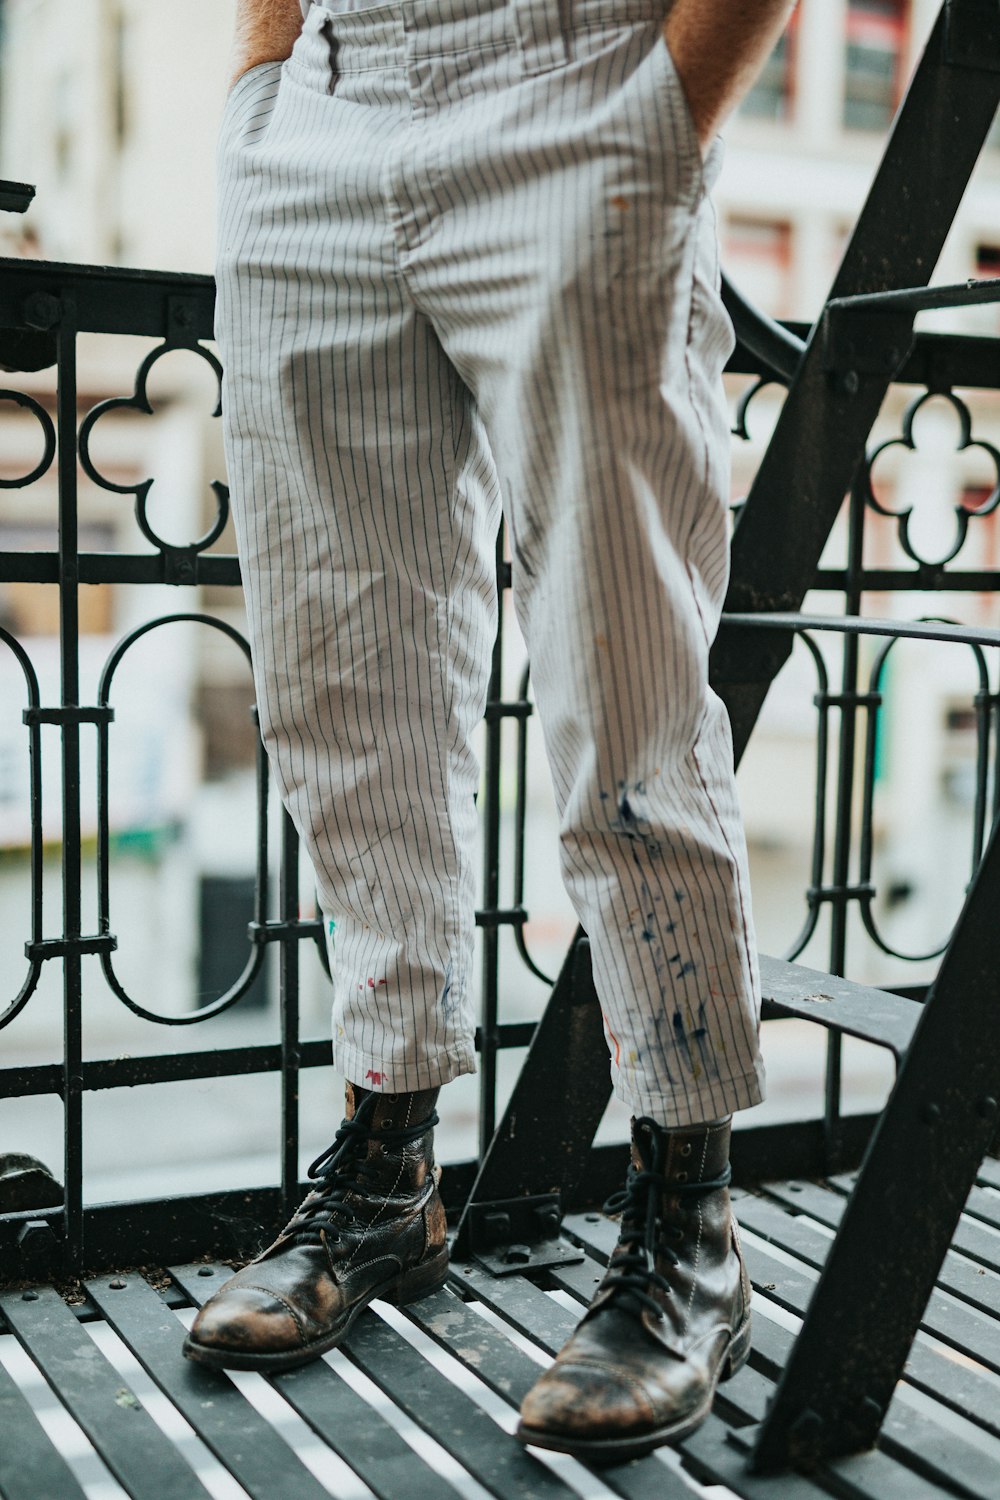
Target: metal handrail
(777, 348)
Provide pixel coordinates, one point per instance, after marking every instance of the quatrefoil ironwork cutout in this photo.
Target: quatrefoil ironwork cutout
(963, 513)
(139, 401)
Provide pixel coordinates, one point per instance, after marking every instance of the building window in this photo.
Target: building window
(772, 96)
(986, 268)
(987, 262)
(32, 609)
(758, 254)
(228, 729)
(876, 49)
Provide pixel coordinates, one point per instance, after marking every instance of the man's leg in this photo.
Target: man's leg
(589, 327)
(366, 515)
(365, 508)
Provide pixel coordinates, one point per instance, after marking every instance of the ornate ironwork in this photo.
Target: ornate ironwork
(181, 314)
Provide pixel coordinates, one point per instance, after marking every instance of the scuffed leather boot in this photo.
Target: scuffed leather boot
(374, 1226)
(670, 1318)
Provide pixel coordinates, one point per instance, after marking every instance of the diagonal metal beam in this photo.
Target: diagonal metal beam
(902, 1215)
(820, 437)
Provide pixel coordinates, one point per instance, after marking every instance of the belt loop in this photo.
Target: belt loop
(328, 33)
(317, 46)
(541, 35)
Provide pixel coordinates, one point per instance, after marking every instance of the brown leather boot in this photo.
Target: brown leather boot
(670, 1318)
(374, 1226)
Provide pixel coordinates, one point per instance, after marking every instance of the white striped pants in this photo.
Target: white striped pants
(467, 260)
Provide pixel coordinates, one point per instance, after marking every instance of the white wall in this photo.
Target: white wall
(148, 201)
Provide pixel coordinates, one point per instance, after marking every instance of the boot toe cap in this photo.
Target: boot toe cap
(247, 1320)
(588, 1402)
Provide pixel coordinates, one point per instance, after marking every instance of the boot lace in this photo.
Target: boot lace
(632, 1272)
(343, 1168)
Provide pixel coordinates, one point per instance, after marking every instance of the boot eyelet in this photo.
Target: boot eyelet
(386, 1124)
(686, 1149)
(681, 1177)
(677, 1233)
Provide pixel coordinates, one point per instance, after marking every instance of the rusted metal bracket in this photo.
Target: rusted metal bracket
(27, 1184)
(518, 1234)
(862, 340)
(15, 197)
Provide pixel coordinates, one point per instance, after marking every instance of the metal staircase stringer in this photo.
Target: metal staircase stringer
(840, 384)
(900, 1219)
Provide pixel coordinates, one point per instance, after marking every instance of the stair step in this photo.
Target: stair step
(856, 1009)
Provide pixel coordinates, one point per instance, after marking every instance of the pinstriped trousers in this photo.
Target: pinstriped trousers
(467, 260)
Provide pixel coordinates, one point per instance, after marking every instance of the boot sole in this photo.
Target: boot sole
(604, 1451)
(409, 1286)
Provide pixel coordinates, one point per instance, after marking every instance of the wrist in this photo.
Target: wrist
(704, 118)
(243, 62)
(718, 51)
(266, 31)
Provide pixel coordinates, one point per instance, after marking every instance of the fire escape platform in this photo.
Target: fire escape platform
(96, 1397)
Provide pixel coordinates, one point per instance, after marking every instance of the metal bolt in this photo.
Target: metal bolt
(29, 1296)
(496, 1227)
(930, 1114)
(117, 1285)
(42, 310)
(37, 1240)
(517, 1255)
(206, 1271)
(547, 1220)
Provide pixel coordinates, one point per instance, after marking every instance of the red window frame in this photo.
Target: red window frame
(884, 22)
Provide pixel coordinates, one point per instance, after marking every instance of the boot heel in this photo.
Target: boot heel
(739, 1351)
(419, 1282)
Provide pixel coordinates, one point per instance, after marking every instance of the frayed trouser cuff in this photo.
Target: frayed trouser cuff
(405, 1075)
(719, 1097)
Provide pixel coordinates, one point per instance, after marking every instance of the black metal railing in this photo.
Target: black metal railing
(58, 303)
(842, 879)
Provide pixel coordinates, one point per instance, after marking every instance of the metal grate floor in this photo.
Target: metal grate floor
(420, 1404)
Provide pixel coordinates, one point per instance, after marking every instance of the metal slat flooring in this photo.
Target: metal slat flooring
(420, 1404)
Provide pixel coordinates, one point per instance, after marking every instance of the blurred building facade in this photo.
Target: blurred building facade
(111, 107)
